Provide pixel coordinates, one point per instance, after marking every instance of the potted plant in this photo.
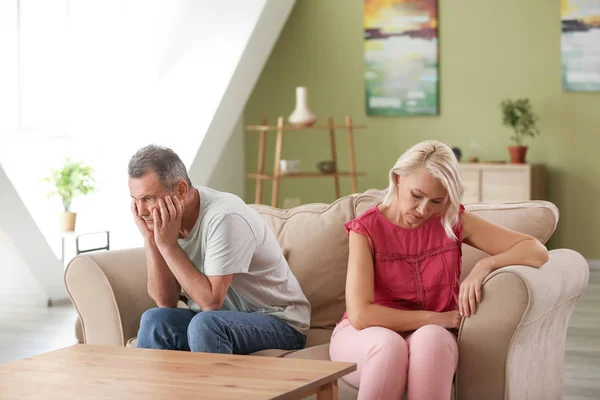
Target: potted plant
(73, 179)
(519, 116)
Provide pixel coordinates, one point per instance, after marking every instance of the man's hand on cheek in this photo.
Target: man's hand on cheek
(141, 224)
(167, 221)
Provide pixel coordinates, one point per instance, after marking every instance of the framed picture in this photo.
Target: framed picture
(401, 57)
(580, 45)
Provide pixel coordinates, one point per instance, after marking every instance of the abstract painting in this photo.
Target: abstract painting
(401, 57)
(580, 45)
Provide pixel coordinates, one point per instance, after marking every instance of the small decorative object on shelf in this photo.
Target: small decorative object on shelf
(474, 152)
(289, 166)
(519, 116)
(279, 172)
(326, 167)
(302, 116)
(457, 153)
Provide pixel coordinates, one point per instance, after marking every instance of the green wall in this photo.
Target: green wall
(489, 50)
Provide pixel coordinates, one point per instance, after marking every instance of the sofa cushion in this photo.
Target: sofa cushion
(368, 199)
(272, 353)
(317, 250)
(320, 352)
(317, 336)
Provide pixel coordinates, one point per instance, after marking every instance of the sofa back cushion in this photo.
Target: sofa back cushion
(315, 243)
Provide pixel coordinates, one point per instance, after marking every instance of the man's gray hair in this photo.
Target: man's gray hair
(165, 163)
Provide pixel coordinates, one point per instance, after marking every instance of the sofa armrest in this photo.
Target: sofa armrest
(109, 292)
(513, 347)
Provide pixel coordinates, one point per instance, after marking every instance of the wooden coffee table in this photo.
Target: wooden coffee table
(106, 372)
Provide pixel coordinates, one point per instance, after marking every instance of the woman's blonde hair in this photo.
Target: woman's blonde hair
(442, 164)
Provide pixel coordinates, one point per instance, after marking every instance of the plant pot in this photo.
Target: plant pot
(302, 116)
(67, 221)
(517, 154)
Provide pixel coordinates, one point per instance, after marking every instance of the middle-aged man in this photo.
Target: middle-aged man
(242, 294)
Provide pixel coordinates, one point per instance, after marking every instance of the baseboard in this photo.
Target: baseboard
(62, 302)
(594, 264)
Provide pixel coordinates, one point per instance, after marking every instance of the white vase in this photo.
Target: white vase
(302, 115)
(289, 166)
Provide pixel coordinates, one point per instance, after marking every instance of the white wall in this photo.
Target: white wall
(229, 174)
(256, 51)
(17, 283)
(27, 243)
(9, 87)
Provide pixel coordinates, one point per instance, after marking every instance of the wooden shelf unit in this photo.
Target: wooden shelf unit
(305, 175)
(280, 128)
(300, 128)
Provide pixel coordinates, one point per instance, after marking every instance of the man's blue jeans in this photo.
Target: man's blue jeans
(227, 332)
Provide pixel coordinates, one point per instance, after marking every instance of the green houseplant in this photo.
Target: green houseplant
(519, 116)
(68, 182)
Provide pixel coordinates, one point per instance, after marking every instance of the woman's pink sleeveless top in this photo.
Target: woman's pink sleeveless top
(415, 268)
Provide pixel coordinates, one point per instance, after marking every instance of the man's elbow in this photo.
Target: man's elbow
(212, 305)
(163, 301)
(166, 305)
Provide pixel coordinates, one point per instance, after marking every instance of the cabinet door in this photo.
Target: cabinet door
(471, 185)
(508, 185)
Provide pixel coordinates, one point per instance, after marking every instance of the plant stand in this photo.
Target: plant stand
(260, 176)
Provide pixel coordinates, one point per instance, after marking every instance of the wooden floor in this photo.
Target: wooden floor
(27, 329)
(582, 358)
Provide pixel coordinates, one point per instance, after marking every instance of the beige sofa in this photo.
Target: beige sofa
(513, 348)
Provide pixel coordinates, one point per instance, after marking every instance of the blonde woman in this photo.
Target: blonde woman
(404, 298)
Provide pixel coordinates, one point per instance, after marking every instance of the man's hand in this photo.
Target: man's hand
(141, 224)
(470, 290)
(167, 222)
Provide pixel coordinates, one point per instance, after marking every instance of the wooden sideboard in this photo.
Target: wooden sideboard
(501, 183)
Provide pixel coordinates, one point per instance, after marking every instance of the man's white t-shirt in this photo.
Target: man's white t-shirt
(231, 238)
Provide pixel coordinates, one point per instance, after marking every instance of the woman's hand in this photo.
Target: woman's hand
(470, 290)
(449, 319)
